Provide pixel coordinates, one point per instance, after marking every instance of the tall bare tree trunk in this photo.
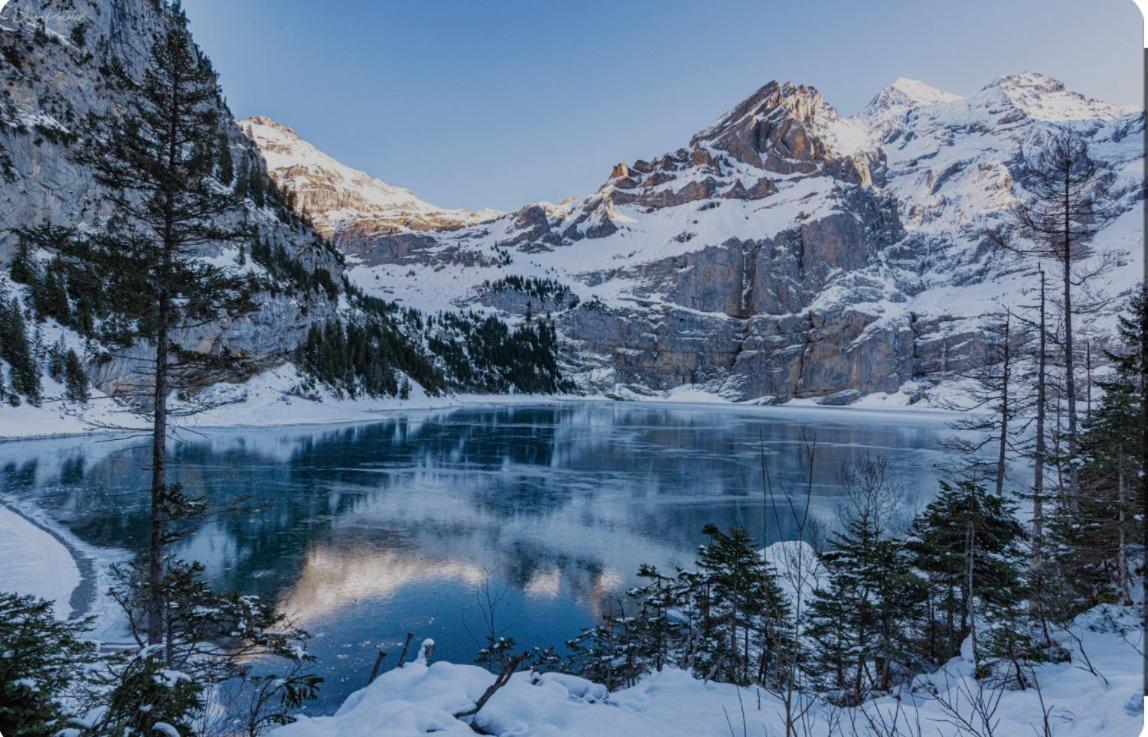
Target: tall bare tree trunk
(1087, 380)
(158, 482)
(970, 608)
(1038, 458)
(1002, 447)
(1069, 360)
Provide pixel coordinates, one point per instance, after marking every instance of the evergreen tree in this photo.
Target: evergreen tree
(744, 611)
(75, 380)
(42, 664)
(50, 298)
(225, 172)
(610, 652)
(209, 638)
(158, 172)
(967, 544)
(862, 617)
(22, 267)
(17, 349)
(255, 186)
(1096, 538)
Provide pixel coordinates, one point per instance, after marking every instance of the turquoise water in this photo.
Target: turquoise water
(363, 533)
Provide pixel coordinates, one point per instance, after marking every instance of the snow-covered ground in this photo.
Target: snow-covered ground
(420, 699)
(40, 557)
(35, 562)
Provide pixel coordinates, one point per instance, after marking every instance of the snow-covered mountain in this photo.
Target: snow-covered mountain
(888, 106)
(57, 70)
(786, 251)
(337, 197)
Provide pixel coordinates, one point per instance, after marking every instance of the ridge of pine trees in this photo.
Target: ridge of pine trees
(368, 351)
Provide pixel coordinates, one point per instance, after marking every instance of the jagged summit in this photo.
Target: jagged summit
(911, 93)
(784, 121)
(335, 196)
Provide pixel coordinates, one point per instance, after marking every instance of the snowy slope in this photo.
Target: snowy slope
(885, 111)
(335, 196)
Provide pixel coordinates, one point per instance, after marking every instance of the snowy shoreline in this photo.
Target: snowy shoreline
(264, 404)
(29, 549)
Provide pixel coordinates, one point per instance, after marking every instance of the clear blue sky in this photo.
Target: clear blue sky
(488, 103)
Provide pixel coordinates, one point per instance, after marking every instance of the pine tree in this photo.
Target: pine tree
(50, 298)
(159, 175)
(967, 543)
(18, 350)
(255, 187)
(860, 619)
(43, 660)
(145, 689)
(75, 379)
(744, 611)
(22, 267)
(225, 172)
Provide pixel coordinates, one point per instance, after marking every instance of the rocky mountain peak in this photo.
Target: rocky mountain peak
(336, 196)
(789, 128)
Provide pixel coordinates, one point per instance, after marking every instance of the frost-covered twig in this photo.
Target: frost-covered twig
(503, 677)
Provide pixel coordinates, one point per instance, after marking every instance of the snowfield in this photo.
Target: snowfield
(420, 699)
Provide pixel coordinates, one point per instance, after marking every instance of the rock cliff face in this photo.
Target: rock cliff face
(55, 72)
(787, 251)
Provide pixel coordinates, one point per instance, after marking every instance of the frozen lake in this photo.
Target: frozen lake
(363, 533)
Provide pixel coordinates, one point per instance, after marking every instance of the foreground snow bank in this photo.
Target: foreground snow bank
(417, 699)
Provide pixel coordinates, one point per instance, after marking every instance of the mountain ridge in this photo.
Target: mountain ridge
(334, 195)
(822, 237)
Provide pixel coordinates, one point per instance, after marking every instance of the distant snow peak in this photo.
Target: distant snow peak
(335, 196)
(892, 103)
(907, 93)
(1040, 97)
(922, 94)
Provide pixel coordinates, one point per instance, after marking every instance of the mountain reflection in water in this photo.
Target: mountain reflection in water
(363, 533)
